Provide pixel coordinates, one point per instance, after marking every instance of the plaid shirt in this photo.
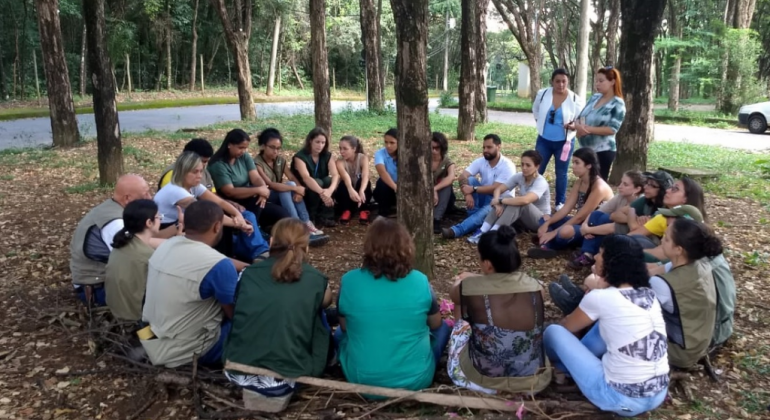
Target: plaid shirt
(610, 115)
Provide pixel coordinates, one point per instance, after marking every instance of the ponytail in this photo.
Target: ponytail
(696, 239)
(289, 247)
(122, 238)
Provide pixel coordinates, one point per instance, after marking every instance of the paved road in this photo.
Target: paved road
(37, 131)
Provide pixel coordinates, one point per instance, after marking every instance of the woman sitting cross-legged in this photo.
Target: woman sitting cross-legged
(497, 342)
(655, 186)
(354, 192)
(443, 170)
(599, 223)
(391, 333)
(126, 276)
(386, 164)
(315, 170)
(278, 316)
(687, 291)
(526, 210)
(589, 191)
(621, 364)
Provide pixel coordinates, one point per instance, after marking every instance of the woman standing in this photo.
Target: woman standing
(443, 170)
(602, 117)
(313, 168)
(554, 109)
(355, 191)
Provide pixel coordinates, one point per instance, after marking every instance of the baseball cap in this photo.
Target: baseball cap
(686, 210)
(663, 178)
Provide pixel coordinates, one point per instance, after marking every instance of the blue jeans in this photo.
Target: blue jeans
(596, 218)
(558, 242)
(213, 357)
(477, 214)
(439, 338)
(285, 200)
(582, 360)
(251, 246)
(548, 148)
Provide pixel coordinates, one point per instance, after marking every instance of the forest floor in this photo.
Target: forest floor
(49, 371)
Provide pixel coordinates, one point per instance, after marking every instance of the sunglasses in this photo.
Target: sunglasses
(551, 116)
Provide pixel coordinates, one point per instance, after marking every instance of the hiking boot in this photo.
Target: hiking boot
(312, 229)
(448, 233)
(436, 227)
(582, 261)
(542, 252)
(566, 302)
(318, 240)
(571, 287)
(363, 217)
(345, 218)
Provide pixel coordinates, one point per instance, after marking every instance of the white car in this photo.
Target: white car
(755, 116)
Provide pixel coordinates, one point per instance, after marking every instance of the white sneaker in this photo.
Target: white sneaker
(312, 229)
(474, 239)
(559, 206)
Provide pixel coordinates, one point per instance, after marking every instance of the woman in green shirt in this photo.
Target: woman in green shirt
(391, 333)
(315, 169)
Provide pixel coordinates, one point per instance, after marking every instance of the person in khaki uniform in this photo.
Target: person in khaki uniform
(190, 293)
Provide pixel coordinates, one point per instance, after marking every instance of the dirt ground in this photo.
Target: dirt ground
(48, 370)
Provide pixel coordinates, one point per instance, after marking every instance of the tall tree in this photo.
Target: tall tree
(466, 117)
(274, 55)
(581, 76)
(370, 37)
(321, 94)
(83, 50)
(237, 34)
(64, 124)
(194, 47)
(675, 10)
(521, 17)
(109, 148)
(738, 15)
(481, 61)
(613, 25)
(415, 206)
(640, 20)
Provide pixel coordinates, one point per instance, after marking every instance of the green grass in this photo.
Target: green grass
(688, 101)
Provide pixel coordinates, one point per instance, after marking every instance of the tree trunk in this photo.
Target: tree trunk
(238, 40)
(296, 75)
(273, 56)
(481, 62)
(738, 15)
(128, 71)
(581, 73)
(110, 152)
(83, 64)
(37, 79)
(321, 95)
(194, 48)
(675, 28)
(640, 20)
(169, 32)
(370, 35)
(521, 17)
(64, 124)
(466, 123)
(446, 53)
(613, 25)
(415, 203)
(203, 86)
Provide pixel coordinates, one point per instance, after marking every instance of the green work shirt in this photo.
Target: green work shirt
(387, 339)
(237, 174)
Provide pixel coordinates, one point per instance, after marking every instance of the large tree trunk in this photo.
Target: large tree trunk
(321, 95)
(613, 25)
(481, 62)
(581, 72)
(64, 125)
(273, 55)
(83, 50)
(466, 117)
(415, 203)
(370, 36)
(237, 37)
(194, 48)
(110, 151)
(640, 20)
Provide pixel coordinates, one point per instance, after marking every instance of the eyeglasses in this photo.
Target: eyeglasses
(551, 116)
(275, 148)
(159, 216)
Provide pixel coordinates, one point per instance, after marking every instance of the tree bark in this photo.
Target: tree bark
(675, 29)
(521, 17)
(613, 25)
(370, 35)
(64, 124)
(481, 62)
(446, 53)
(415, 202)
(597, 30)
(321, 95)
(238, 40)
(296, 75)
(194, 48)
(273, 55)
(128, 72)
(83, 63)
(466, 117)
(581, 76)
(110, 151)
(169, 34)
(203, 86)
(640, 20)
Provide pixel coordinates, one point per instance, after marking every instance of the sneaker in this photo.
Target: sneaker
(559, 206)
(542, 252)
(474, 239)
(448, 233)
(345, 218)
(261, 257)
(312, 229)
(318, 240)
(363, 217)
(566, 302)
(571, 287)
(582, 261)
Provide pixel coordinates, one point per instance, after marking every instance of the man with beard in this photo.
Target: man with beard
(494, 169)
(190, 293)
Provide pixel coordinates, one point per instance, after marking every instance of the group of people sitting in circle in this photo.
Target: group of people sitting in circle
(190, 268)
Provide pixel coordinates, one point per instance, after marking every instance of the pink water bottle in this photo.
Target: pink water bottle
(565, 150)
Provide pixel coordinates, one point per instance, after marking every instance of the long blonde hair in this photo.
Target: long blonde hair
(289, 246)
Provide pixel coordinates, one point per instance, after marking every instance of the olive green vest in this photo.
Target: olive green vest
(182, 322)
(725, 285)
(86, 270)
(275, 172)
(694, 296)
(319, 171)
(499, 284)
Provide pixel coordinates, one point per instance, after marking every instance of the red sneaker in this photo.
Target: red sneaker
(345, 219)
(363, 217)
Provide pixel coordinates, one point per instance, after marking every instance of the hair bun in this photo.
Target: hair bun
(712, 246)
(505, 235)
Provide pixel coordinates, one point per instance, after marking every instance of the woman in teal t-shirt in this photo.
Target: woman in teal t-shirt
(391, 333)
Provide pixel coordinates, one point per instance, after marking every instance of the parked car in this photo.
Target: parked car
(755, 116)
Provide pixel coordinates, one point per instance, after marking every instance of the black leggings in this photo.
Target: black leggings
(386, 198)
(343, 201)
(605, 163)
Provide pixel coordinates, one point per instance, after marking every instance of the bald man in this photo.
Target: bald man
(92, 241)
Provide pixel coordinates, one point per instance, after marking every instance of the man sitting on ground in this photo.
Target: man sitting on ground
(495, 169)
(190, 293)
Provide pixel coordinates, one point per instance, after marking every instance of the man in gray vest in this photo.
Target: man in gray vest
(92, 241)
(190, 293)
